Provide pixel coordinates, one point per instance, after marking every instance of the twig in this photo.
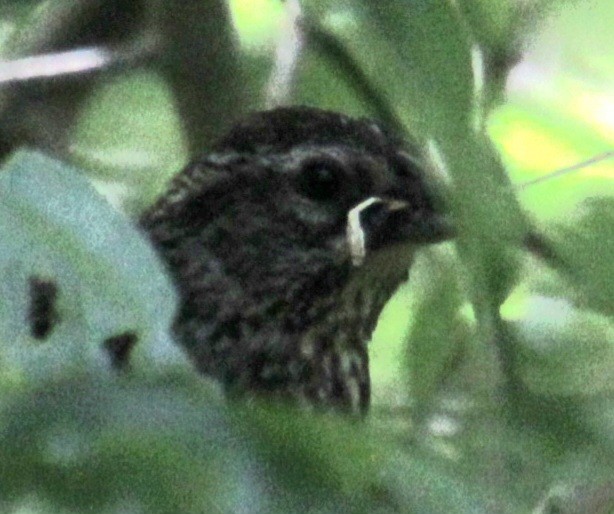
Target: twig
(287, 53)
(54, 64)
(76, 62)
(570, 169)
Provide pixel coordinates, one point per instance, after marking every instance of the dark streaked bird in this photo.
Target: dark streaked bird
(285, 243)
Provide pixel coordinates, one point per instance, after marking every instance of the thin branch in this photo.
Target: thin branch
(565, 171)
(54, 65)
(72, 63)
(287, 53)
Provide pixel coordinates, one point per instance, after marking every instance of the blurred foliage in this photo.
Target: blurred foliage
(493, 371)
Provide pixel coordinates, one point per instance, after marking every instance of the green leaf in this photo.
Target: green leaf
(587, 246)
(167, 446)
(415, 54)
(565, 351)
(599, 416)
(324, 462)
(95, 443)
(54, 227)
(438, 331)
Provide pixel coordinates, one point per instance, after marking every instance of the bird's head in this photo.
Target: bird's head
(271, 235)
(298, 182)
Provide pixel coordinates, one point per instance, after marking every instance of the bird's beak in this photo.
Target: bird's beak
(380, 222)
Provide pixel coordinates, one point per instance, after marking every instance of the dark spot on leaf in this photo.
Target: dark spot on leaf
(43, 315)
(119, 348)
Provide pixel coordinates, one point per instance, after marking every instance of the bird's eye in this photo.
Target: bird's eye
(321, 180)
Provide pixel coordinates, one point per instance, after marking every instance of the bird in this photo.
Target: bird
(284, 242)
